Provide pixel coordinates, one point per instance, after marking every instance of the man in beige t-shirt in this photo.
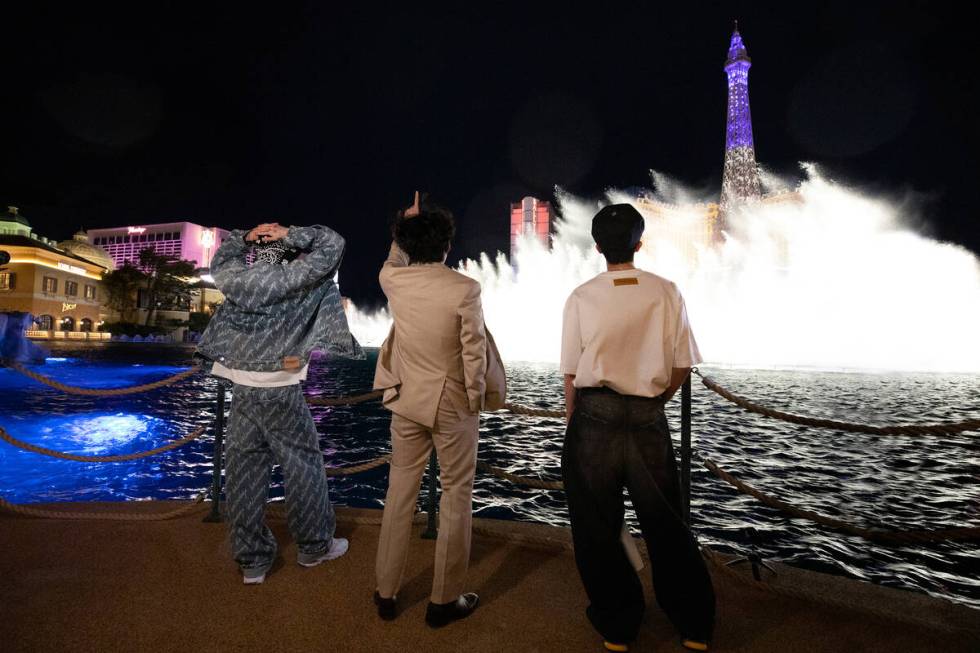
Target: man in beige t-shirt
(627, 347)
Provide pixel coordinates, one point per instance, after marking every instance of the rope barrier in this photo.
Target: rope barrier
(878, 535)
(875, 535)
(533, 412)
(108, 392)
(356, 469)
(952, 428)
(520, 480)
(42, 513)
(193, 435)
(377, 394)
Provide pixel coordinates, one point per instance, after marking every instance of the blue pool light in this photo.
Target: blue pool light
(100, 433)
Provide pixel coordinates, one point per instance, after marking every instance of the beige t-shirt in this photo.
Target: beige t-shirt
(625, 330)
(275, 379)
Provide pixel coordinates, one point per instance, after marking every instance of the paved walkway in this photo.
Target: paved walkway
(170, 586)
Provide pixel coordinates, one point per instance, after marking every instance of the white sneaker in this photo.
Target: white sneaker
(337, 548)
(253, 576)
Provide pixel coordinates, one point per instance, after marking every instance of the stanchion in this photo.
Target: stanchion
(431, 532)
(219, 431)
(686, 449)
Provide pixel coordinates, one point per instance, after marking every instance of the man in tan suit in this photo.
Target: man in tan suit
(434, 371)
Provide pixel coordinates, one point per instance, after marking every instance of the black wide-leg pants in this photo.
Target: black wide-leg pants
(614, 442)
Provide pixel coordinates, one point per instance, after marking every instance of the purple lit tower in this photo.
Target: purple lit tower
(741, 178)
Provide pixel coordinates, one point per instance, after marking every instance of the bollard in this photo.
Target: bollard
(686, 450)
(431, 532)
(219, 430)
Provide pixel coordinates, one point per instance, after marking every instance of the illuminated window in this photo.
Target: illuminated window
(89, 292)
(6, 280)
(44, 322)
(71, 288)
(49, 285)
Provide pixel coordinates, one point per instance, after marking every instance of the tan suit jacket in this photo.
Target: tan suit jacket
(437, 342)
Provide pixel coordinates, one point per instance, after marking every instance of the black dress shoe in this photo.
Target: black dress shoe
(386, 607)
(440, 614)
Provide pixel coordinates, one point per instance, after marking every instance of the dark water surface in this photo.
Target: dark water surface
(898, 482)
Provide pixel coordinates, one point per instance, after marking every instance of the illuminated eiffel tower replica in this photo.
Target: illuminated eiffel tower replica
(694, 227)
(740, 182)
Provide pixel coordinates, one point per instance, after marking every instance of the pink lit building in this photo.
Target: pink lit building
(182, 240)
(531, 216)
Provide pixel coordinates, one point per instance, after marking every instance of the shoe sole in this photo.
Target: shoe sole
(331, 555)
(440, 623)
(257, 580)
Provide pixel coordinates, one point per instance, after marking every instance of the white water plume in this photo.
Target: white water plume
(832, 281)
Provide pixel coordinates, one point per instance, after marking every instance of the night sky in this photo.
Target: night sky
(308, 112)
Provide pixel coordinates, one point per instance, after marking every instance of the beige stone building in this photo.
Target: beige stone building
(59, 284)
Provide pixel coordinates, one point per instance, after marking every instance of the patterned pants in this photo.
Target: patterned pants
(274, 425)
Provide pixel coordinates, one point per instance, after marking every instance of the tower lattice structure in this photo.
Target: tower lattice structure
(740, 181)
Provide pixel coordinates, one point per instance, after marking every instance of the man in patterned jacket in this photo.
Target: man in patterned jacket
(274, 315)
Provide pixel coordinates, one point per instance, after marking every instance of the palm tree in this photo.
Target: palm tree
(121, 286)
(166, 278)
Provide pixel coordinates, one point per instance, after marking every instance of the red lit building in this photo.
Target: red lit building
(531, 216)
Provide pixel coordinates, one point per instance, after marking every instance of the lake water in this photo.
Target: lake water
(900, 482)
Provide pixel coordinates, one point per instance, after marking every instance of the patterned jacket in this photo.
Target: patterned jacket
(274, 316)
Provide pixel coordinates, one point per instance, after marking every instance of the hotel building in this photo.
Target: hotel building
(687, 228)
(531, 216)
(181, 240)
(54, 282)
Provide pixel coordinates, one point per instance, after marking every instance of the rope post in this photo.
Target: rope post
(431, 532)
(686, 450)
(219, 430)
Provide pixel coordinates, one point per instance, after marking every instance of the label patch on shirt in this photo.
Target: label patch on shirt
(628, 281)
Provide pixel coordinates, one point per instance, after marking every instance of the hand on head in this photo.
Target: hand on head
(266, 233)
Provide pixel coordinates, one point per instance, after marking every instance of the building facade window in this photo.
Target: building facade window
(49, 285)
(7, 280)
(71, 288)
(68, 323)
(44, 322)
(89, 292)
(85, 324)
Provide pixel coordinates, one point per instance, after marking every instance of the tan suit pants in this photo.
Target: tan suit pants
(455, 435)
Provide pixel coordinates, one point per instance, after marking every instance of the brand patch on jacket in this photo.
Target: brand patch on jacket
(628, 281)
(291, 363)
